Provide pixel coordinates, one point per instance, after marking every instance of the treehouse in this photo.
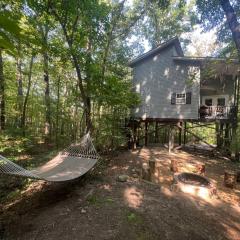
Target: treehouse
(176, 88)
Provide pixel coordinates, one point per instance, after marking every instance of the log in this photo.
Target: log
(152, 169)
(200, 168)
(174, 165)
(146, 172)
(230, 179)
(152, 166)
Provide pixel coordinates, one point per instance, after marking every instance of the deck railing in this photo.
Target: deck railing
(217, 112)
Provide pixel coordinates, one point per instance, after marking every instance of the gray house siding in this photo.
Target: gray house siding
(157, 77)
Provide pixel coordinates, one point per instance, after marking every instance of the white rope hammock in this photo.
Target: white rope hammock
(71, 163)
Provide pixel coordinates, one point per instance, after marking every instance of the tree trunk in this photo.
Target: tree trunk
(47, 129)
(232, 22)
(85, 98)
(69, 38)
(23, 119)
(230, 179)
(234, 26)
(19, 91)
(2, 94)
(174, 165)
(57, 117)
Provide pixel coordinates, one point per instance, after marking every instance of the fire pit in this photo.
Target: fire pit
(194, 184)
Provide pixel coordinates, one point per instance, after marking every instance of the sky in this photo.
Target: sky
(201, 43)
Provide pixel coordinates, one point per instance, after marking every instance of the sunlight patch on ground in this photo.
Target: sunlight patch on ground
(117, 167)
(167, 192)
(200, 191)
(232, 233)
(24, 157)
(106, 187)
(133, 197)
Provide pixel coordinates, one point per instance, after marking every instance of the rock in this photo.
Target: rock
(122, 178)
(135, 175)
(83, 211)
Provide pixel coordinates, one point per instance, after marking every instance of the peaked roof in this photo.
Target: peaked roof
(173, 41)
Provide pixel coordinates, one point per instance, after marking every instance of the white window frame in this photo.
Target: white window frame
(214, 99)
(180, 98)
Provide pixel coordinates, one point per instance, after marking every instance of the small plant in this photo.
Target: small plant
(134, 218)
(93, 200)
(109, 200)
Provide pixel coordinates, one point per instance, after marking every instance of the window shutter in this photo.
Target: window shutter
(173, 98)
(188, 97)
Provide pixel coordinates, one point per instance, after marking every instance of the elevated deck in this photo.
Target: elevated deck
(217, 113)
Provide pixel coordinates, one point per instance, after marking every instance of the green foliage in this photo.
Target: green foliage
(93, 200)
(134, 218)
(97, 201)
(13, 146)
(163, 20)
(98, 32)
(14, 27)
(211, 15)
(208, 133)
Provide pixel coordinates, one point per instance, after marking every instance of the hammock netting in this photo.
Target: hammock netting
(71, 163)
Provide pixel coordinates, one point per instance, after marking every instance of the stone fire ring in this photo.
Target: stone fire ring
(194, 184)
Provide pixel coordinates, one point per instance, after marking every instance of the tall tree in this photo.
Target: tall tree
(163, 20)
(222, 15)
(19, 78)
(47, 129)
(69, 15)
(2, 94)
(29, 83)
(233, 22)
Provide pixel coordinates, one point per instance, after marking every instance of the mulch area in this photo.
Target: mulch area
(99, 207)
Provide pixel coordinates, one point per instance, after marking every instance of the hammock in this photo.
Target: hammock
(71, 163)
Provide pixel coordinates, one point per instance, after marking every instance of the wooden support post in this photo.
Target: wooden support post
(221, 134)
(226, 137)
(134, 146)
(238, 175)
(165, 133)
(235, 144)
(156, 132)
(138, 137)
(180, 134)
(184, 133)
(146, 133)
(218, 135)
(170, 138)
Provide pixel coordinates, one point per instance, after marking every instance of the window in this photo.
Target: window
(208, 102)
(221, 101)
(180, 98)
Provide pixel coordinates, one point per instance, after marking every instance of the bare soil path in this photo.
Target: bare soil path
(99, 207)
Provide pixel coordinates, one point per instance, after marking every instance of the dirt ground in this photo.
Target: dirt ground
(99, 207)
